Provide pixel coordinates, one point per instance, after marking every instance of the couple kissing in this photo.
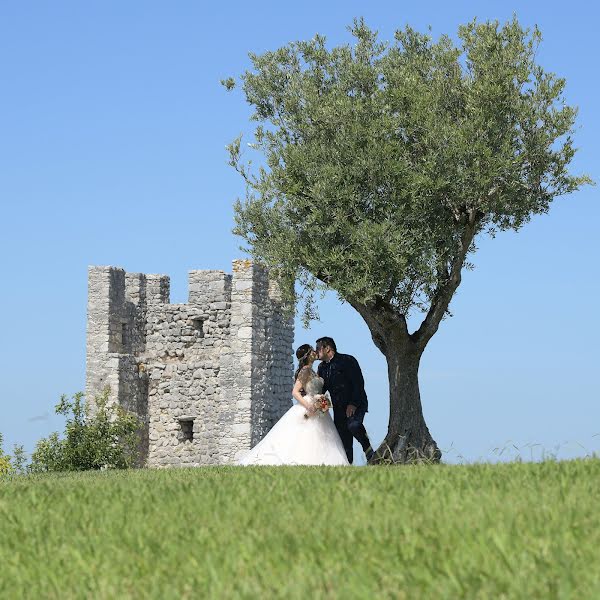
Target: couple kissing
(306, 434)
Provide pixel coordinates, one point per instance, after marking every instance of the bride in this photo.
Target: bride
(296, 439)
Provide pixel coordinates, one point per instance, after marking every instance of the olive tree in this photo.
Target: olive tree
(380, 165)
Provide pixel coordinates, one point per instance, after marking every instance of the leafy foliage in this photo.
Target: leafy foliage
(384, 161)
(6, 467)
(103, 438)
(19, 459)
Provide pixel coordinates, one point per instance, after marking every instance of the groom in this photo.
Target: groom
(344, 381)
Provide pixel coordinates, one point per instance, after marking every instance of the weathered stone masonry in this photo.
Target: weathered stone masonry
(208, 378)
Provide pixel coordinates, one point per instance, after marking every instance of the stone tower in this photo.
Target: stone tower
(208, 378)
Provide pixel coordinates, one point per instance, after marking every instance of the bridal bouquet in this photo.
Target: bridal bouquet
(321, 404)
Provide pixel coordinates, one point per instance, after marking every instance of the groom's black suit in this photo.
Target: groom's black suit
(344, 381)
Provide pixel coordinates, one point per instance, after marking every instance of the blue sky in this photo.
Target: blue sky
(113, 129)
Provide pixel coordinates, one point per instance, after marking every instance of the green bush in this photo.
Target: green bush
(6, 467)
(18, 459)
(103, 438)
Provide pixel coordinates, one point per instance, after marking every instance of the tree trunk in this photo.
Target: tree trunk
(408, 439)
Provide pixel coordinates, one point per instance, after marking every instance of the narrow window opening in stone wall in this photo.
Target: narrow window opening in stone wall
(124, 336)
(187, 429)
(198, 326)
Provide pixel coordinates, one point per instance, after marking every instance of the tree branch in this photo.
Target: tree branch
(381, 319)
(445, 291)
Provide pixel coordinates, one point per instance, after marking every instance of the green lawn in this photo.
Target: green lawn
(522, 530)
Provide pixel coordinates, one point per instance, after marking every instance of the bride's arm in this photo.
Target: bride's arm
(305, 401)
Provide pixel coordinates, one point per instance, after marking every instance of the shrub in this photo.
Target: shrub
(18, 459)
(103, 438)
(6, 467)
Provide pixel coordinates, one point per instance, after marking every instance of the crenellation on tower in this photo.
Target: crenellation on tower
(209, 287)
(208, 378)
(158, 289)
(135, 288)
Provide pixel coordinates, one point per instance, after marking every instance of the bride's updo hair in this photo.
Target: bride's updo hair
(303, 355)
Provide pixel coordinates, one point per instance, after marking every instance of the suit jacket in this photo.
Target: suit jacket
(344, 381)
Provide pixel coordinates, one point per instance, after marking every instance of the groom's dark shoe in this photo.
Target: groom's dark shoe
(369, 453)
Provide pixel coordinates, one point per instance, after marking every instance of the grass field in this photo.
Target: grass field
(521, 530)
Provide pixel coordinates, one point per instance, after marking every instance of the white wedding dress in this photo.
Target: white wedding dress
(296, 440)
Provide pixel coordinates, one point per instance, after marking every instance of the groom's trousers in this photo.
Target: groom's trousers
(350, 428)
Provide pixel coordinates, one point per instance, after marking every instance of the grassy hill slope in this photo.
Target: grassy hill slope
(521, 530)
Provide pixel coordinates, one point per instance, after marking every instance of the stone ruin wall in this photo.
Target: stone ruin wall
(218, 369)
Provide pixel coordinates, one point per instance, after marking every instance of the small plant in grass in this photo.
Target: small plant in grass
(105, 438)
